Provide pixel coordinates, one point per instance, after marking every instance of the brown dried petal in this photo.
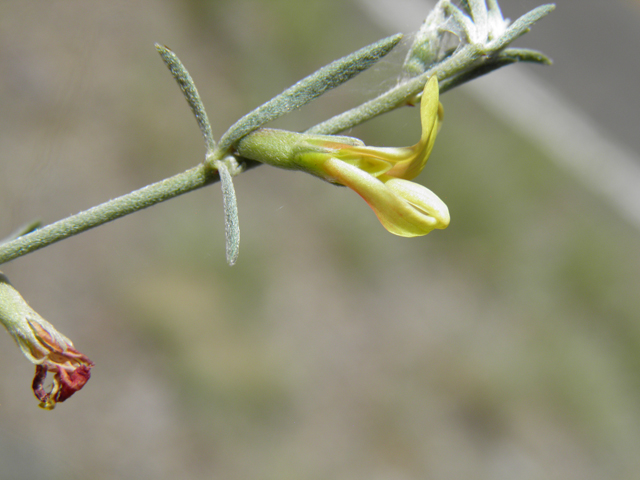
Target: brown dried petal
(64, 385)
(44, 346)
(71, 369)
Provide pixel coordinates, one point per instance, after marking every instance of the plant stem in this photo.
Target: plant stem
(460, 64)
(202, 176)
(462, 60)
(184, 182)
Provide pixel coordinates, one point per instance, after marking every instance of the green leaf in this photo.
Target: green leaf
(306, 90)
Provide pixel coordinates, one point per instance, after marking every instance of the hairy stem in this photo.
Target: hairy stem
(452, 71)
(184, 182)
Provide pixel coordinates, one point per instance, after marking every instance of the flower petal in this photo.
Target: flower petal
(404, 208)
(431, 114)
(421, 199)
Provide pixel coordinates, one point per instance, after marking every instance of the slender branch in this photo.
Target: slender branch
(201, 176)
(184, 182)
(462, 63)
(452, 71)
(397, 97)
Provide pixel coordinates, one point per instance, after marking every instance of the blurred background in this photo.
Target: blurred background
(506, 346)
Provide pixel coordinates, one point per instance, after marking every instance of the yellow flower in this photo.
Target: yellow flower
(44, 346)
(404, 208)
(380, 175)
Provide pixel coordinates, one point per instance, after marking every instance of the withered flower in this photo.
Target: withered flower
(44, 346)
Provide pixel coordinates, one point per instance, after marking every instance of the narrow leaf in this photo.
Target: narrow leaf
(307, 89)
(190, 92)
(521, 26)
(231, 223)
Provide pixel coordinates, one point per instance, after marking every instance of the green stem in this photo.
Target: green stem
(201, 176)
(461, 61)
(459, 64)
(184, 182)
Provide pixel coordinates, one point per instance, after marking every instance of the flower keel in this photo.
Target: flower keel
(404, 208)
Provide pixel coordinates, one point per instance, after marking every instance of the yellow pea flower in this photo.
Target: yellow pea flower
(380, 175)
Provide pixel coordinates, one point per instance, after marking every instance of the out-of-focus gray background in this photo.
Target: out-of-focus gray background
(506, 346)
